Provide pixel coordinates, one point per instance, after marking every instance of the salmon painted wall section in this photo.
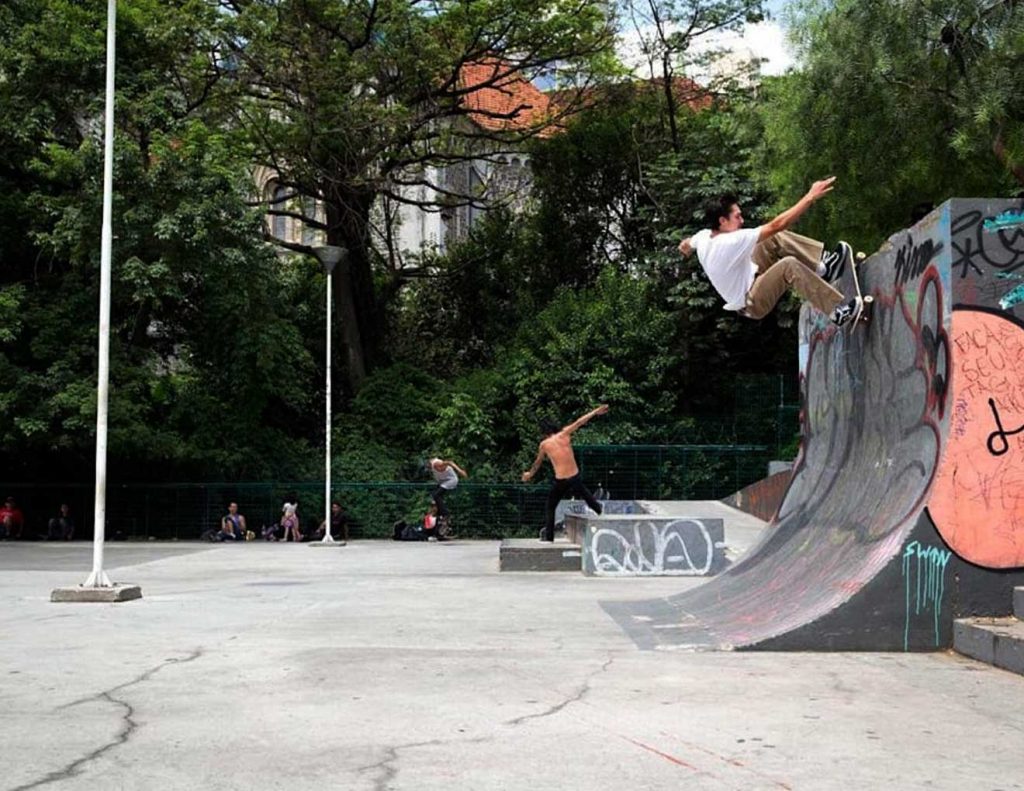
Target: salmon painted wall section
(977, 502)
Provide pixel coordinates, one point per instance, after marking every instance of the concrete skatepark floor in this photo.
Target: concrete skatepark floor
(418, 666)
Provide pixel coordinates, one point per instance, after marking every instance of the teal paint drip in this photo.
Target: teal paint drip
(929, 585)
(1012, 298)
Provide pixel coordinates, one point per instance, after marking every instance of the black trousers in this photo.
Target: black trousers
(438, 497)
(560, 489)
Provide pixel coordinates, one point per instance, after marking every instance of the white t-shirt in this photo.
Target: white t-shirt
(726, 260)
(446, 478)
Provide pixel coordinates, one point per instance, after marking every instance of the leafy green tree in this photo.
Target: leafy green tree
(905, 102)
(610, 343)
(589, 191)
(207, 373)
(352, 103)
(676, 38)
(474, 300)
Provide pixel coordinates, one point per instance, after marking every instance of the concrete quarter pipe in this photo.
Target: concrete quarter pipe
(905, 509)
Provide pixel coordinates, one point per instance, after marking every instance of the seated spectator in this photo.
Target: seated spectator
(290, 521)
(232, 524)
(431, 525)
(11, 520)
(339, 524)
(61, 528)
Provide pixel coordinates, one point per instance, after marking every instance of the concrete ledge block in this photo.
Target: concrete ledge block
(80, 593)
(1010, 649)
(529, 554)
(996, 641)
(971, 640)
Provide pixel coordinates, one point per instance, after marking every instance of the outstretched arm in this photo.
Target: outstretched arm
(818, 190)
(457, 468)
(536, 464)
(582, 421)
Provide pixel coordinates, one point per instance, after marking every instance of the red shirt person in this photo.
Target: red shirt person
(11, 520)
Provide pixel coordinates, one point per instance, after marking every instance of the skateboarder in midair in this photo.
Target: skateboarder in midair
(752, 268)
(557, 447)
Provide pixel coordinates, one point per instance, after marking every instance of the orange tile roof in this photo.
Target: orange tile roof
(505, 101)
(686, 92)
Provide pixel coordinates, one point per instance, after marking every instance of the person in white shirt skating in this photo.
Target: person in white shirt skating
(752, 268)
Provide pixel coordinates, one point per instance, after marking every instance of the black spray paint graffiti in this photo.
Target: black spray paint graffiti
(912, 259)
(973, 244)
(882, 440)
(1000, 433)
(934, 340)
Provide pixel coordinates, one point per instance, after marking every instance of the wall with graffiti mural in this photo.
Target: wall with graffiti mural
(978, 501)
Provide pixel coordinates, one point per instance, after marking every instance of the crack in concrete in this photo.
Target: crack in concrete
(128, 728)
(390, 771)
(388, 767)
(576, 697)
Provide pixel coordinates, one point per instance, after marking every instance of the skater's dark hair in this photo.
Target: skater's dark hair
(719, 207)
(548, 426)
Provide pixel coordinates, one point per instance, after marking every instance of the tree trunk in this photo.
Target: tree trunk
(670, 100)
(348, 220)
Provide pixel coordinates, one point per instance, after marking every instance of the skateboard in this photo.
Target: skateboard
(863, 315)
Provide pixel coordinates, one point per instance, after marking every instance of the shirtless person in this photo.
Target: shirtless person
(557, 446)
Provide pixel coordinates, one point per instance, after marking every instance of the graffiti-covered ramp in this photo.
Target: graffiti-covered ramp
(853, 559)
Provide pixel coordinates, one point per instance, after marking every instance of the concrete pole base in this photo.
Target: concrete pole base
(114, 593)
(326, 543)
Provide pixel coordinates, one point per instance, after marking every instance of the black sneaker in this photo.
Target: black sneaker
(544, 538)
(848, 310)
(835, 261)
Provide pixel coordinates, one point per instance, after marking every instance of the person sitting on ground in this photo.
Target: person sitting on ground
(232, 524)
(751, 269)
(11, 520)
(446, 476)
(339, 524)
(62, 527)
(557, 447)
(290, 521)
(432, 526)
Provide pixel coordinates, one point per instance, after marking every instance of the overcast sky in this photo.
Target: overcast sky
(768, 40)
(765, 40)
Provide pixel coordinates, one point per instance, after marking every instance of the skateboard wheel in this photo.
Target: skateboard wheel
(868, 300)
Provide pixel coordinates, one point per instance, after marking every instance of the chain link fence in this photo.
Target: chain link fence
(182, 511)
(704, 462)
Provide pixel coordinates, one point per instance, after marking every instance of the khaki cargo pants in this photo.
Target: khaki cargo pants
(784, 261)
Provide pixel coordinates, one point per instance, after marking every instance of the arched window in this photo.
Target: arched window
(279, 202)
(309, 233)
